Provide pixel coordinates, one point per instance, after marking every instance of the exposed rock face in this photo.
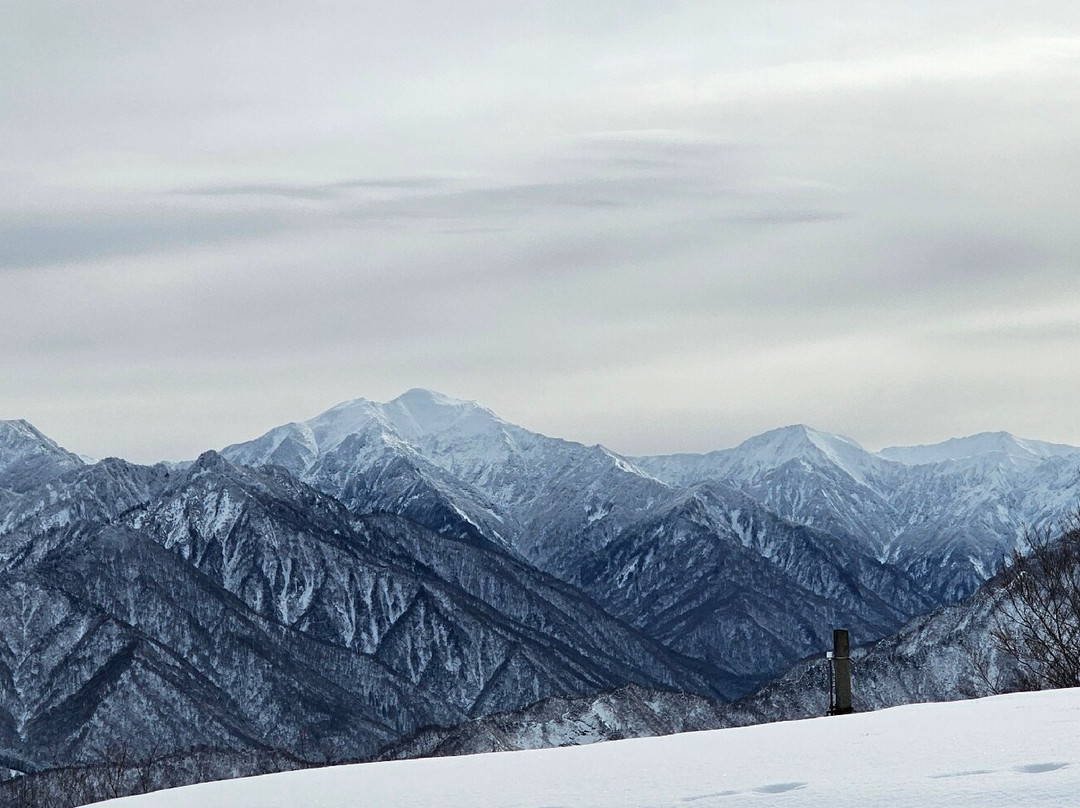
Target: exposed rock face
(942, 656)
(329, 589)
(945, 514)
(230, 607)
(630, 712)
(28, 458)
(703, 569)
(689, 548)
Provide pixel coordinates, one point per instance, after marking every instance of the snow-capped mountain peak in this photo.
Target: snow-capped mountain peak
(19, 436)
(407, 420)
(509, 483)
(420, 413)
(984, 443)
(358, 416)
(776, 447)
(28, 458)
(418, 423)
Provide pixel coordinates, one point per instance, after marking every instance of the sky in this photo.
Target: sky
(661, 226)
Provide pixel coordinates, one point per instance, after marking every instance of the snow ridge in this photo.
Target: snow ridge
(904, 758)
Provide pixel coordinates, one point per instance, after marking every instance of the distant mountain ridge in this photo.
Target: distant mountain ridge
(946, 514)
(29, 458)
(975, 445)
(946, 655)
(458, 468)
(238, 608)
(383, 567)
(935, 512)
(925, 534)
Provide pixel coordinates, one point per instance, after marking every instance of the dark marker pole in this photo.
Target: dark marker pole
(840, 703)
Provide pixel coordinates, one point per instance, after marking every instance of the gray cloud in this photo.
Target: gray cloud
(39, 241)
(661, 226)
(140, 226)
(774, 217)
(327, 190)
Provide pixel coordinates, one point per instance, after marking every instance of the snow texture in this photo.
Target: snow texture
(384, 568)
(28, 458)
(238, 608)
(694, 549)
(944, 514)
(1019, 749)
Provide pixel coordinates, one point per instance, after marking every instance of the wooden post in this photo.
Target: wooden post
(841, 666)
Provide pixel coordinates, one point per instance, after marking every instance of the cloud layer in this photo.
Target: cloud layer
(658, 226)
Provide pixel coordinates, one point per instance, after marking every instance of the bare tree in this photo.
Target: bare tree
(119, 772)
(1038, 622)
(65, 787)
(114, 771)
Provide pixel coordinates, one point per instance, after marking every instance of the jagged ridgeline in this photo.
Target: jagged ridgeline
(329, 589)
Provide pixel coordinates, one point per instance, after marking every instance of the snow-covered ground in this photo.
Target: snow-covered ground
(1014, 750)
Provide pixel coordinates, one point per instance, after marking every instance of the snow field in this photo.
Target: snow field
(1013, 750)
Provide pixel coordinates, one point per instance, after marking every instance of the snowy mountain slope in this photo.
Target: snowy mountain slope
(716, 576)
(965, 515)
(458, 566)
(548, 604)
(28, 458)
(767, 451)
(930, 755)
(945, 655)
(442, 462)
(87, 496)
(547, 487)
(630, 712)
(984, 443)
(240, 609)
(574, 633)
(821, 480)
(943, 514)
(580, 513)
(125, 659)
(550, 635)
(577, 512)
(110, 637)
(353, 453)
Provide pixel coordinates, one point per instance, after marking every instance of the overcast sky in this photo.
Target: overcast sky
(662, 226)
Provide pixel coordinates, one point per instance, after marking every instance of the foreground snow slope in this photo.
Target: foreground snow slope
(1020, 749)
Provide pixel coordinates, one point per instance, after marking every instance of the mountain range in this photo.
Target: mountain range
(340, 584)
(944, 514)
